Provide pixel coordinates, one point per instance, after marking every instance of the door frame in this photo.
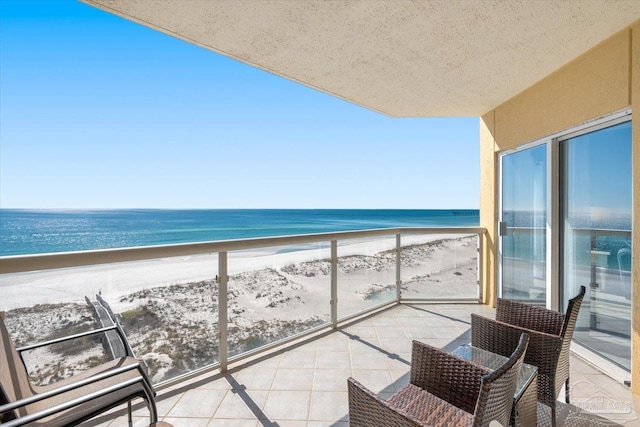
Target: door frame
(554, 228)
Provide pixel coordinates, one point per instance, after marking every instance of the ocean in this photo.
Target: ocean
(25, 232)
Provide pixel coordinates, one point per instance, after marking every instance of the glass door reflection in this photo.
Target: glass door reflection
(596, 211)
(523, 237)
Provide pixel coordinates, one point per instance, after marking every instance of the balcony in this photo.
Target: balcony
(266, 331)
(304, 384)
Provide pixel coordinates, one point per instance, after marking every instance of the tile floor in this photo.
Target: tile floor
(306, 385)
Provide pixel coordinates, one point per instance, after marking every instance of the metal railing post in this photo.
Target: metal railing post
(222, 310)
(480, 266)
(398, 263)
(334, 284)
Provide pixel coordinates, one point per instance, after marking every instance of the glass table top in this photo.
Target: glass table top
(494, 361)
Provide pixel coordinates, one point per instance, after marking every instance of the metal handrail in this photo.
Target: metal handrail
(24, 263)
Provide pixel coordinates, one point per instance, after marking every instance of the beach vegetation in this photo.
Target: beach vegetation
(173, 328)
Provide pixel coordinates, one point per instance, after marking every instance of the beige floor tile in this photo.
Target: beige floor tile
(369, 360)
(405, 311)
(271, 361)
(165, 404)
(123, 421)
(217, 382)
(600, 384)
(287, 405)
(436, 321)
(401, 362)
(419, 331)
(328, 424)
(329, 405)
(293, 379)
(449, 333)
(291, 423)
(187, 422)
(241, 405)
(396, 345)
(256, 378)
(389, 332)
(233, 423)
(364, 344)
(298, 360)
(366, 322)
(198, 403)
(361, 331)
(331, 379)
(438, 343)
(311, 346)
(340, 343)
(333, 360)
(385, 321)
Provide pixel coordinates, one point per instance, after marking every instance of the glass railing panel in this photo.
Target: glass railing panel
(366, 273)
(167, 308)
(275, 293)
(439, 266)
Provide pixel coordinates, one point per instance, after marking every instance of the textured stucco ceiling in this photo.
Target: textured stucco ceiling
(401, 58)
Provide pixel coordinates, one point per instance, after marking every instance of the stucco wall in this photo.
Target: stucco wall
(603, 80)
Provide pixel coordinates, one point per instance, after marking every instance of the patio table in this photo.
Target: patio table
(525, 399)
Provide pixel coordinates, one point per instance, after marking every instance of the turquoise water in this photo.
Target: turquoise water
(34, 232)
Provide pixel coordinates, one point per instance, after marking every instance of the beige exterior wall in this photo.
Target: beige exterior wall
(602, 81)
(488, 205)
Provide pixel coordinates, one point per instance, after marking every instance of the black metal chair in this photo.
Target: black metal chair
(75, 399)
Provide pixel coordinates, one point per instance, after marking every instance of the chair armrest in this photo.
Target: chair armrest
(367, 409)
(68, 338)
(72, 386)
(502, 338)
(146, 391)
(446, 376)
(529, 316)
(117, 328)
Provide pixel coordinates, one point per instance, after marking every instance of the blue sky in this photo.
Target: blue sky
(100, 112)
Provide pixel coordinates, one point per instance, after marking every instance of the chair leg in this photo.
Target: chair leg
(553, 415)
(153, 413)
(130, 416)
(566, 391)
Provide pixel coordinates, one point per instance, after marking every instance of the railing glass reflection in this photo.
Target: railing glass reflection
(194, 307)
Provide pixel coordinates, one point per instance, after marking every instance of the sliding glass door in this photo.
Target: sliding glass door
(565, 222)
(523, 220)
(596, 235)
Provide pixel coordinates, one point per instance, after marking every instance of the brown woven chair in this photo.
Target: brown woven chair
(74, 399)
(550, 333)
(444, 390)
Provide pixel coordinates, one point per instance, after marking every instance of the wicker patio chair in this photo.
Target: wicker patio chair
(550, 333)
(444, 390)
(75, 399)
